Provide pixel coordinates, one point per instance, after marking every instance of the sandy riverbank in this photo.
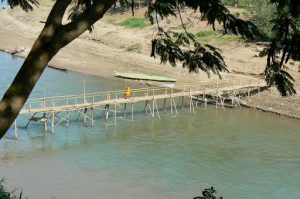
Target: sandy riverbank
(107, 50)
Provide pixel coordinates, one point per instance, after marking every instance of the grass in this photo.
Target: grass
(210, 35)
(187, 25)
(135, 23)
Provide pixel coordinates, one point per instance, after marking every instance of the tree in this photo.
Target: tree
(52, 38)
(172, 47)
(285, 45)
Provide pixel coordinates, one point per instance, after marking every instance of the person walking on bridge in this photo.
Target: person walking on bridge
(128, 92)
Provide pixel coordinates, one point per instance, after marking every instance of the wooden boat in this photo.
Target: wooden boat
(142, 76)
(57, 68)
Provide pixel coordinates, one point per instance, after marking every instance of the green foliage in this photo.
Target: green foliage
(209, 193)
(262, 13)
(135, 23)
(4, 194)
(26, 5)
(240, 3)
(285, 45)
(276, 76)
(215, 36)
(183, 47)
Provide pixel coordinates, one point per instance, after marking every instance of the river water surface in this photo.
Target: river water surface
(241, 152)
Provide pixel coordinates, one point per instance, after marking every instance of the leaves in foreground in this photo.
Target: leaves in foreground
(209, 193)
(4, 194)
(26, 5)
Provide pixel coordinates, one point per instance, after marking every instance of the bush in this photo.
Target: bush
(135, 23)
(210, 35)
(4, 194)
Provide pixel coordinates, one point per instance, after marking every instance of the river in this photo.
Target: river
(243, 153)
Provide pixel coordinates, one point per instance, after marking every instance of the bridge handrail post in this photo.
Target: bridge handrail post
(43, 103)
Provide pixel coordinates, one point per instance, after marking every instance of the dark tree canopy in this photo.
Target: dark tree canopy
(173, 47)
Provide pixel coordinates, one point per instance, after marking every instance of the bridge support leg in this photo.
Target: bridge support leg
(125, 110)
(132, 111)
(53, 122)
(16, 129)
(30, 120)
(115, 114)
(155, 103)
(84, 116)
(92, 112)
(165, 105)
(45, 126)
(68, 118)
(174, 103)
(145, 107)
(171, 103)
(192, 108)
(151, 112)
(106, 111)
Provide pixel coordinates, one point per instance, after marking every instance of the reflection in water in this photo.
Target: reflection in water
(243, 153)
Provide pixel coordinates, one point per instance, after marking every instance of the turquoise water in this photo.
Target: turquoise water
(241, 152)
(3, 4)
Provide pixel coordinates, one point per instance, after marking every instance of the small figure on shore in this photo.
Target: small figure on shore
(127, 92)
(17, 50)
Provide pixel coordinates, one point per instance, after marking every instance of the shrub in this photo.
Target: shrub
(4, 194)
(135, 23)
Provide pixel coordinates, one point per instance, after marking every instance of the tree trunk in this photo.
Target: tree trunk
(18, 92)
(53, 37)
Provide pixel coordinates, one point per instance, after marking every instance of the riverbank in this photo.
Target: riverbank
(111, 47)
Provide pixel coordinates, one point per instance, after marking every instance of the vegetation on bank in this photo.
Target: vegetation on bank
(215, 36)
(135, 23)
(261, 12)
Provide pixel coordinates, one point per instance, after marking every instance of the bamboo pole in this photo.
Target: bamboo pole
(132, 111)
(175, 107)
(115, 114)
(16, 129)
(157, 111)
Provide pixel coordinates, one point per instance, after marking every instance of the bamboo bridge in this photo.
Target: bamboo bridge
(53, 111)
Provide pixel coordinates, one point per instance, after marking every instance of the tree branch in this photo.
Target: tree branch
(92, 14)
(57, 12)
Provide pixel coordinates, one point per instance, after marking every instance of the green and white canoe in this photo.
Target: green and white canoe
(142, 76)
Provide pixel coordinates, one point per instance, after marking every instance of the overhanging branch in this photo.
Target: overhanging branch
(92, 14)
(57, 12)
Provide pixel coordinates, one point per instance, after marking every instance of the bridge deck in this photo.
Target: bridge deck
(94, 100)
